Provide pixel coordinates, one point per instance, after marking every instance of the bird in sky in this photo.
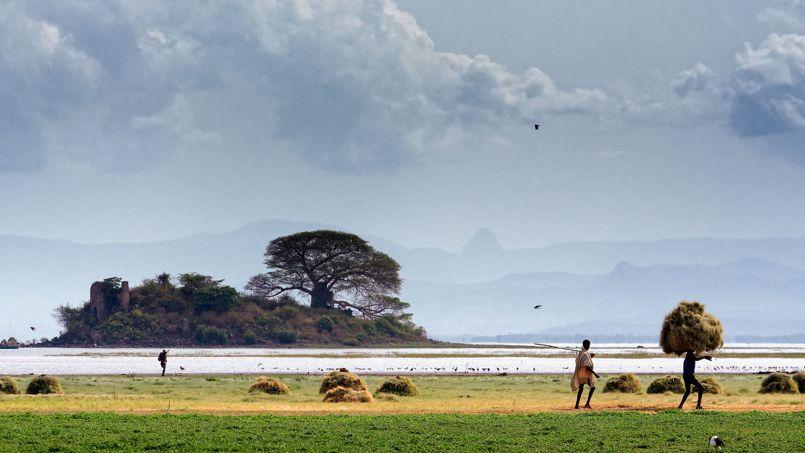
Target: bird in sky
(536, 127)
(33, 328)
(537, 307)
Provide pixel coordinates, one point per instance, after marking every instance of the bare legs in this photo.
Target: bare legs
(589, 397)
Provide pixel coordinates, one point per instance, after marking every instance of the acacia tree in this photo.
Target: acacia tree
(327, 264)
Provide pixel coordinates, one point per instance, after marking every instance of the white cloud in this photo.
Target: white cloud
(768, 87)
(344, 83)
(695, 79)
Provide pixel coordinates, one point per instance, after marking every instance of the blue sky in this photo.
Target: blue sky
(135, 121)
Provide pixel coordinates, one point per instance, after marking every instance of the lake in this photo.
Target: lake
(515, 359)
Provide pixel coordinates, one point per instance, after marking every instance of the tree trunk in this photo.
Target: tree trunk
(321, 297)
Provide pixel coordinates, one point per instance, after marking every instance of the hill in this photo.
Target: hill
(202, 311)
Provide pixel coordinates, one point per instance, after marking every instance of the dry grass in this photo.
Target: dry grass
(625, 383)
(347, 395)
(778, 383)
(399, 385)
(9, 386)
(439, 394)
(341, 378)
(269, 385)
(44, 385)
(799, 378)
(665, 384)
(711, 385)
(688, 326)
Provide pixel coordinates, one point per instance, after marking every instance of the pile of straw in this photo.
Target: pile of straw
(688, 326)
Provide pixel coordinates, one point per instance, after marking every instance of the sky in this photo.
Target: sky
(412, 120)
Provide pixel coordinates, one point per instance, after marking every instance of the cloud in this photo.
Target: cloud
(767, 89)
(693, 80)
(344, 84)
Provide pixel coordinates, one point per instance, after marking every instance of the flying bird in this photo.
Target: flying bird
(537, 307)
(536, 127)
(716, 443)
(33, 328)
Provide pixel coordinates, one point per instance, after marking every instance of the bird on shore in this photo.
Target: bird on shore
(181, 367)
(537, 307)
(716, 443)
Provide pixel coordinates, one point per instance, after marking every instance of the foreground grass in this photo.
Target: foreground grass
(439, 394)
(604, 431)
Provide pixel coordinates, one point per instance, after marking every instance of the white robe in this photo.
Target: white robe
(583, 360)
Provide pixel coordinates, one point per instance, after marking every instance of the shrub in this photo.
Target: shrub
(625, 383)
(285, 336)
(799, 378)
(211, 335)
(43, 385)
(688, 326)
(778, 383)
(341, 379)
(347, 395)
(9, 386)
(324, 324)
(250, 337)
(399, 385)
(711, 385)
(270, 386)
(666, 384)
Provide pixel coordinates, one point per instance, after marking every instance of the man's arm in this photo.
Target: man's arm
(590, 369)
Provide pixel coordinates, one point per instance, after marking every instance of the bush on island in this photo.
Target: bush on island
(778, 383)
(688, 326)
(270, 386)
(44, 385)
(341, 378)
(9, 386)
(666, 384)
(347, 395)
(399, 385)
(625, 383)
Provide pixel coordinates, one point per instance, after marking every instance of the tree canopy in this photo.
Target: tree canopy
(334, 269)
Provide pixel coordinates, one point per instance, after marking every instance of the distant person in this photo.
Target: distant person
(584, 374)
(689, 376)
(163, 360)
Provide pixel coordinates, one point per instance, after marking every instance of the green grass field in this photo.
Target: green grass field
(603, 431)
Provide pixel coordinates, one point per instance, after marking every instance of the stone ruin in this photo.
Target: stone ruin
(101, 308)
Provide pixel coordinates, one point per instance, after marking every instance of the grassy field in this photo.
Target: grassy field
(602, 431)
(440, 395)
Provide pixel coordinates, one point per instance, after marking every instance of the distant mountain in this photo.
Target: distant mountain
(482, 289)
(629, 300)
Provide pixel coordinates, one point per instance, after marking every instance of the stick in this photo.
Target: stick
(556, 347)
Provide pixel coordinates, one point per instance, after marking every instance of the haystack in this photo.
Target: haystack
(341, 379)
(625, 383)
(270, 386)
(799, 378)
(9, 386)
(711, 385)
(399, 385)
(666, 384)
(347, 395)
(688, 326)
(778, 383)
(44, 385)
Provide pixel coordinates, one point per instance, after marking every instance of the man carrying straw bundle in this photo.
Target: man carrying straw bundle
(689, 376)
(584, 374)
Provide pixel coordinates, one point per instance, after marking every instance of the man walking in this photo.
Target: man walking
(689, 376)
(584, 374)
(163, 360)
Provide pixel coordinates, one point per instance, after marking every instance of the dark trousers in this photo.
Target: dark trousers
(690, 380)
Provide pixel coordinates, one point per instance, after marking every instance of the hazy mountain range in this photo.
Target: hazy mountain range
(756, 286)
